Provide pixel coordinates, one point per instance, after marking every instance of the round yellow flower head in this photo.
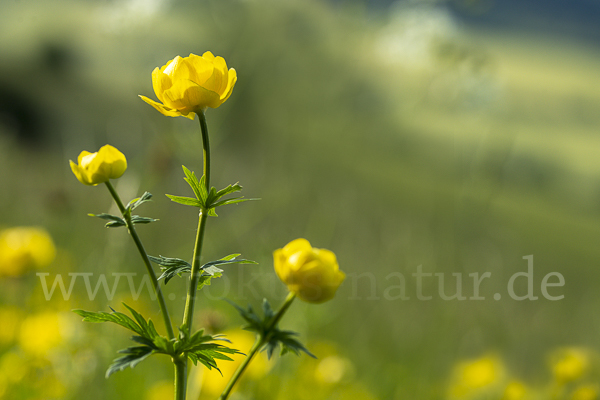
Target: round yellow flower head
(312, 274)
(186, 85)
(94, 168)
(24, 247)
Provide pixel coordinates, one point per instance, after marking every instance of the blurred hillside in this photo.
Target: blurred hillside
(397, 140)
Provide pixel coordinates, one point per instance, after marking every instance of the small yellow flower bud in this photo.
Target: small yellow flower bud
(312, 274)
(187, 85)
(94, 168)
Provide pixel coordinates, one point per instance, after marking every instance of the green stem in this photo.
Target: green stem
(180, 376)
(188, 314)
(261, 340)
(195, 273)
(205, 148)
(142, 250)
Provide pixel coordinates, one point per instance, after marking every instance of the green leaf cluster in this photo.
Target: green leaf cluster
(172, 267)
(116, 222)
(199, 348)
(272, 336)
(207, 200)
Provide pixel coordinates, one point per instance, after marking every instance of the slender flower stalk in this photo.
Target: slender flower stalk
(144, 255)
(188, 314)
(195, 273)
(180, 363)
(261, 340)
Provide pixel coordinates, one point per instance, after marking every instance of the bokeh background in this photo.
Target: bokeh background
(456, 136)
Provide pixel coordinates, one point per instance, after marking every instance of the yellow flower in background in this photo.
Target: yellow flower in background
(14, 366)
(162, 390)
(473, 377)
(586, 392)
(41, 333)
(11, 318)
(515, 390)
(187, 85)
(213, 382)
(332, 369)
(570, 364)
(312, 274)
(24, 247)
(94, 168)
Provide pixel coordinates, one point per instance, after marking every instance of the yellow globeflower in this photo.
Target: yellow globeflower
(312, 274)
(94, 168)
(187, 85)
(24, 247)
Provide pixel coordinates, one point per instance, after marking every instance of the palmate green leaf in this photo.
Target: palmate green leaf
(275, 337)
(140, 326)
(288, 344)
(209, 270)
(255, 323)
(207, 274)
(229, 189)
(135, 203)
(213, 213)
(114, 221)
(134, 356)
(198, 186)
(267, 310)
(146, 326)
(136, 219)
(186, 201)
(200, 348)
(175, 267)
(171, 267)
(230, 259)
(235, 200)
(212, 202)
(114, 317)
(115, 224)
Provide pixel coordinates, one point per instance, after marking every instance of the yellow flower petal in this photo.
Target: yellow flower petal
(160, 83)
(79, 173)
(208, 56)
(296, 246)
(114, 161)
(161, 108)
(203, 69)
(232, 79)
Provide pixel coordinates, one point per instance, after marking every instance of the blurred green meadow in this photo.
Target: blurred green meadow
(403, 141)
